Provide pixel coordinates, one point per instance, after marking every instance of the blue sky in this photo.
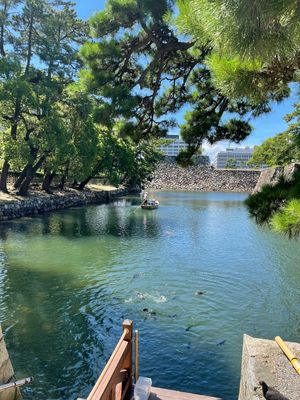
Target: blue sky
(264, 126)
(86, 8)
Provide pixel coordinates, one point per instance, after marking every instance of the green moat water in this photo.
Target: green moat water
(68, 279)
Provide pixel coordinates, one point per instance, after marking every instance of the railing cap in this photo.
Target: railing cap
(128, 324)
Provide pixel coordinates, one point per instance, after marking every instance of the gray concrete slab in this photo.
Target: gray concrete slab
(263, 360)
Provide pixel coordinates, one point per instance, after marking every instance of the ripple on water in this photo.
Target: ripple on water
(194, 276)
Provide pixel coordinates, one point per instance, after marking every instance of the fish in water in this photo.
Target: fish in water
(271, 393)
(221, 343)
(199, 293)
(138, 275)
(151, 312)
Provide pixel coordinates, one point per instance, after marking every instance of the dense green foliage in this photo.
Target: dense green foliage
(281, 149)
(231, 163)
(49, 121)
(278, 204)
(144, 71)
(287, 220)
(255, 43)
(255, 53)
(136, 70)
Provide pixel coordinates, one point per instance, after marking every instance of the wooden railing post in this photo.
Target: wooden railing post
(128, 325)
(136, 356)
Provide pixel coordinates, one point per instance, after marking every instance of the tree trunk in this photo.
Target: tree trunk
(64, 176)
(31, 171)
(2, 50)
(4, 176)
(29, 48)
(124, 178)
(4, 20)
(21, 177)
(33, 153)
(82, 184)
(15, 119)
(23, 189)
(47, 181)
(52, 176)
(62, 182)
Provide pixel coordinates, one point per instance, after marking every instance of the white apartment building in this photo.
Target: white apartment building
(234, 157)
(174, 146)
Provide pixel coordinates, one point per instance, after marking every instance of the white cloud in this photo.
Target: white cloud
(211, 150)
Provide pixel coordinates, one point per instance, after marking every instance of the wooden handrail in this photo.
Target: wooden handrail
(108, 364)
(116, 378)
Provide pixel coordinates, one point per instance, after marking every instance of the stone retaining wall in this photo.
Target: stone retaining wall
(263, 360)
(41, 202)
(270, 176)
(172, 177)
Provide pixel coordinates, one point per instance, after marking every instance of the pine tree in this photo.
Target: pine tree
(144, 72)
(255, 43)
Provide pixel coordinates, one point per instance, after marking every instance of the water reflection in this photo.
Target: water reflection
(122, 218)
(67, 279)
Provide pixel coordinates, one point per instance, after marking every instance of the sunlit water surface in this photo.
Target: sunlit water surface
(68, 279)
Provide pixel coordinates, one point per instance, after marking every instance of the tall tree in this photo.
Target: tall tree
(144, 72)
(40, 61)
(7, 64)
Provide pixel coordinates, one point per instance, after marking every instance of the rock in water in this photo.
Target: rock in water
(271, 393)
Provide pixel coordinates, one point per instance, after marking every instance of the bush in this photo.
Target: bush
(287, 220)
(278, 205)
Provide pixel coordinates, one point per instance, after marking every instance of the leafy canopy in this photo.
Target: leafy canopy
(142, 71)
(255, 43)
(281, 149)
(279, 204)
(50, 121)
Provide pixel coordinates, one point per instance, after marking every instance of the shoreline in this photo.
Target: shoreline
(38, 202)
(192, 190)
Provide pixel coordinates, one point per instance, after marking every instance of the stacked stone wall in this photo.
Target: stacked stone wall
(39, 203)
(271, 176)
(170, 176)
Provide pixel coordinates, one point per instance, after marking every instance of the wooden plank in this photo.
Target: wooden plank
(166, 394)
(112, 375)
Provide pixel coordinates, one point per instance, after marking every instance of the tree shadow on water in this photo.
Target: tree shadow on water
(87, 221)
